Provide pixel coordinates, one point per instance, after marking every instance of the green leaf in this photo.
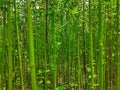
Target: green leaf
(39, 88)
(72, 84)
(48, 82)
(47, 71)
(2, 2)
(88, 69)
(39, 71)
(59, 88)
(75, 10)
(40, 82)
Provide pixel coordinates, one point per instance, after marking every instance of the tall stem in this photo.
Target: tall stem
(18, 42)
(31, 45)
(91, 47)
(84, 46)
(9, 28)
(46, 46)
(54, 47)
(100, 62)
(118, 49)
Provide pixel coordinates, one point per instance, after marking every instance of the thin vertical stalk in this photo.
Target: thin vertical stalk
(46, 47)
(3, 45)
(69, 57)
(54, 58)
(118, 49)
(100, 62)
(3, 36)
(61, 53)
(54, 47)
(111, 47)
(9, 28)
(84, 46)
(18, 43)
(107, 70)
(78, 55)
(78, 52)
(31, 45)
(1, 82)
(91, 47)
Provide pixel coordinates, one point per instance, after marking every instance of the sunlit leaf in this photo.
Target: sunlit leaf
(72, 84)
(59, 88)
(39, 71)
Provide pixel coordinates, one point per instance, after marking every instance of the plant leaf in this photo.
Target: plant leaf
(2, 2)
(59, 88)
(39, 88)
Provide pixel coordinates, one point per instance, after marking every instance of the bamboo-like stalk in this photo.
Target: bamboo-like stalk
(1, 64)
(31, 45)
(78, 60)
(107, 66)
(18, 44)
(78, 53)
(54, 46)
(69, 55)
(3, 45)
(9, 37)
(84, 45)
(1, 82)
(118, 41)
(100, 62)
(46, 47)
(61, 54)
(91, 47)
(4, 41)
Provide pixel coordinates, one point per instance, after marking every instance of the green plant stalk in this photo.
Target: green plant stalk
(84, 45)
(3, 49)
(118, 49)
(18, 43)
(4, 37)
(69, 53)
(45, 65)
(78, 53)
(62, 38)
(68, 49)
(65, 46)
(91, 47)
(31, 45)
(107, 66)
(0, 82)
(111, 48)
(100, 62)
(106, 60)
(24, 48)
(9, 31)
(54, 47)
(46, 47)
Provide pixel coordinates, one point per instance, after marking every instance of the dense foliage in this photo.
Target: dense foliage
(59, 45)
